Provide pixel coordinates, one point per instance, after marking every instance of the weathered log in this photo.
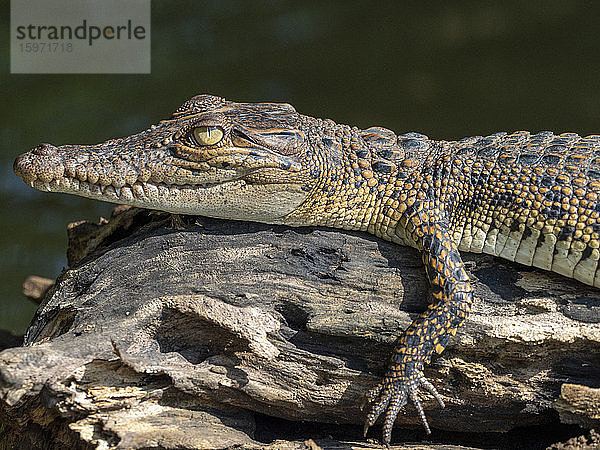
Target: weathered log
(188, 337)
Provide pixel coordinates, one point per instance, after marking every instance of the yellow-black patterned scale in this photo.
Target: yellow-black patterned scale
(529, 198)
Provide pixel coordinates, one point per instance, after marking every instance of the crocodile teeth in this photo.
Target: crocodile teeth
(110, 190)
(151, 190)
(129, 193)
(126, 193)
(138, 190)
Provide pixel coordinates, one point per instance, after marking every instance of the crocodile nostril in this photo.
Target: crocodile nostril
(44, 150)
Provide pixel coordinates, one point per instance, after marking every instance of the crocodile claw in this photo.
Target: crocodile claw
(391, 394)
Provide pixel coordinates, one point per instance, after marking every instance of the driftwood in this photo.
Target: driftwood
(214, 334)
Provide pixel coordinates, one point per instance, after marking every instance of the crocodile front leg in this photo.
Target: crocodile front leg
(452, 295)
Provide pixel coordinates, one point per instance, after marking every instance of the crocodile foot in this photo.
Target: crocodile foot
(392, 393)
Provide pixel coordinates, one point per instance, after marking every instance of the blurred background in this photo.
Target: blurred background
(441, 68)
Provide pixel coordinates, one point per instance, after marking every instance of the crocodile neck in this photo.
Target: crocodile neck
(364, 177)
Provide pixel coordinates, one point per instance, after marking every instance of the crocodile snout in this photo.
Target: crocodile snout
(38, 164)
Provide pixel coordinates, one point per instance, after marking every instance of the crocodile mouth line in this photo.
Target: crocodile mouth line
(139, 191)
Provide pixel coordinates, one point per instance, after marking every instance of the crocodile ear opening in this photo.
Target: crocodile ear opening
(241, 139)
(284, 141)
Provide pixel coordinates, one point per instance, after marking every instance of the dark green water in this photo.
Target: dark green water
(438, 68)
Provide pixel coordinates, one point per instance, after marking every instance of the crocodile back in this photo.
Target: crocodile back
(529, 198)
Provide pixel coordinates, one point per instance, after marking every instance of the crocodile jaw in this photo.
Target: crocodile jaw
(219, 194)
(229, 200)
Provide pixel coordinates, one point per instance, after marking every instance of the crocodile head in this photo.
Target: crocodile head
(212, 157)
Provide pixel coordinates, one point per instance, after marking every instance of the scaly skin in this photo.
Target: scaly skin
(527, 198)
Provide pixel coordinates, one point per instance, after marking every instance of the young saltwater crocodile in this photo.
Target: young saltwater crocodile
(527, 198)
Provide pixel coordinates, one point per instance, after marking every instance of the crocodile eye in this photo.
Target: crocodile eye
(208, 135)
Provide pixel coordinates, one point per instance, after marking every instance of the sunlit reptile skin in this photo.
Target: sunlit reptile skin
(530, 198)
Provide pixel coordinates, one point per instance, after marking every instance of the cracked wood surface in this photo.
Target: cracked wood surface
(190, 337)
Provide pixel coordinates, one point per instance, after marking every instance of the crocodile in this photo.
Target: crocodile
(529, 198)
